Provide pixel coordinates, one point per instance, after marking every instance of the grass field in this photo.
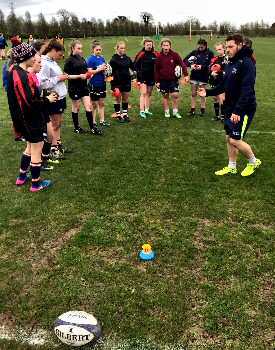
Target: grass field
(76, 245)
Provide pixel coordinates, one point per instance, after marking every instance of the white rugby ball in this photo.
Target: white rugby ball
(178, 71)
(77, 328)
(108, 71)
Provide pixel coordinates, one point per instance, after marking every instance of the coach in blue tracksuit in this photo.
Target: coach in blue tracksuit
(238, 84)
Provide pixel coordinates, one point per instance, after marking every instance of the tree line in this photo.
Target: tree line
(71, 26)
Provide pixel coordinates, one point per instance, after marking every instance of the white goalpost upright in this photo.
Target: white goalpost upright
(208, 31)
(157, 32)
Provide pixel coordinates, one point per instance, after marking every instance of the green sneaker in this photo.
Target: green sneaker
(142, 115)
(250, 168)
(147, 111)
(167, 115)
(226, 170)
(177, 115)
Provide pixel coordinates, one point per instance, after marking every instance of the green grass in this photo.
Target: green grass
(76, 245)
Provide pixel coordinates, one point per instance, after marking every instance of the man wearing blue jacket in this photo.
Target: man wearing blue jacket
(238, 84)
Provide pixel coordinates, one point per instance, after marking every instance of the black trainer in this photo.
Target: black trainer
(80, 131)
(191, 113)
(216, 119)
(96, 131)
(127, 119)
(120, 119)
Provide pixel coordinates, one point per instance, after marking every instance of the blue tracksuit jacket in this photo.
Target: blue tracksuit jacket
(238, 84)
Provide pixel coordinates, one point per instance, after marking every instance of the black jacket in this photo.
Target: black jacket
(75, 65)
(120, 69)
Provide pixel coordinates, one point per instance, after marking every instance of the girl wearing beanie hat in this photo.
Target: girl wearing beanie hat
(52, 79)
(25, 106)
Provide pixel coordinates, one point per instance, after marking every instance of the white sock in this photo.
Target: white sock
(232, 165)
(175, 110)
(166, 110)
(253, 160)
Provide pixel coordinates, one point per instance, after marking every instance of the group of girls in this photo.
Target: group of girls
(87, 84)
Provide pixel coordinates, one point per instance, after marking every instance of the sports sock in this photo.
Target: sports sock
(35, 172)
(166, 111)
(217, 109)
(253, 160)
(125, 108)
(25, 162)
(75, 120)
(175, 110)
(117, 109)
(232, 165)
(202, 110)
(46, 150)
(89, 116)
(223, 110)
(59, 145)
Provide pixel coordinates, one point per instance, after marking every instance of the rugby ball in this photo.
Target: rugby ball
(108, 71)
(178, 71)
(192, 60)
(216, 67)
(77, 328)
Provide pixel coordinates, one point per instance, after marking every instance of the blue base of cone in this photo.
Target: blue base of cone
(149, 256)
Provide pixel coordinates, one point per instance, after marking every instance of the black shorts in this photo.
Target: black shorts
(34, 133)
(169, 85)
(77, 94)
(147, 79)
(34, 138)
(2, 47)
(57, 107)
(237, 131)
(124, 86)
(97, 92)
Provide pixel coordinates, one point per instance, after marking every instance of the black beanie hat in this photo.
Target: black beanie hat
(22, 52)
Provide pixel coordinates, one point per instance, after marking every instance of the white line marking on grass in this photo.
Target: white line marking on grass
(39, 337)
(42, 337)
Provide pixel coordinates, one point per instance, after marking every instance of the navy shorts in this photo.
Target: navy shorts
(97, 92)
(77, 94)
(169, 86)
(237, 131)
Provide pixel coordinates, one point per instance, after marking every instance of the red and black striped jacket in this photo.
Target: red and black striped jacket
(25, 103)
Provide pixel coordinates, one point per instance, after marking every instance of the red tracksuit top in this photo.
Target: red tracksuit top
(166, 64)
